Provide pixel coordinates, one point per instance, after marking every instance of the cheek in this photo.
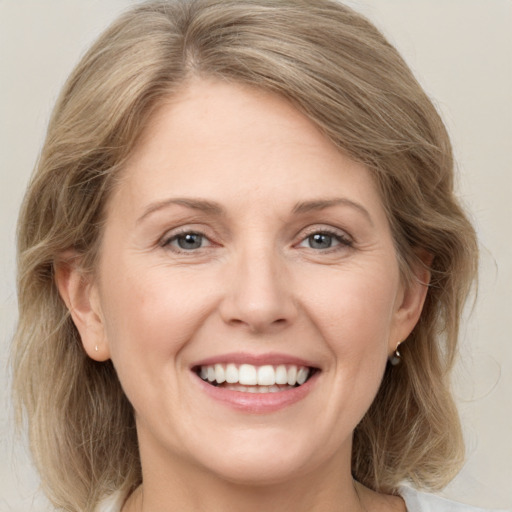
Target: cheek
(355, 309)
(150, 315)
(358, 334)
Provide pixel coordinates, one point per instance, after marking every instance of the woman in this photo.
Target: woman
(242, 269)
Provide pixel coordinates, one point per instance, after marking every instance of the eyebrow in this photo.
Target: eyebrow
(322, 204)
(213, 208)
(194, 204)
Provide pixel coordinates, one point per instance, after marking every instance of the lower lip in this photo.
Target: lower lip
(258, 403)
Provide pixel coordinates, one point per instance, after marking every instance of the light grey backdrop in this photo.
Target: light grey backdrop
(461, 51)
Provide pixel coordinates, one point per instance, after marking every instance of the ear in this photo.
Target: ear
(80, 294)
(411, 300)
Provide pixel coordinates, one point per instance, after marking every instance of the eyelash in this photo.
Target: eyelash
(344, 241)
(168, 240)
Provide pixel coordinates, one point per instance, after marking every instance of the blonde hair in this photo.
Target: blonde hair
(339, 70)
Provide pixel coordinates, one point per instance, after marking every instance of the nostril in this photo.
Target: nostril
(257, 299)
(258, 324)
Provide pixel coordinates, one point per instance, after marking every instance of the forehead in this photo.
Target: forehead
(234, 142)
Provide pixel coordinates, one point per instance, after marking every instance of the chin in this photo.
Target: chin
(259, 458)
(262, 470)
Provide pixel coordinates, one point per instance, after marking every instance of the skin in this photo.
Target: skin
(256, 284)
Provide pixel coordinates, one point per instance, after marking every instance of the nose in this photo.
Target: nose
(259, 294)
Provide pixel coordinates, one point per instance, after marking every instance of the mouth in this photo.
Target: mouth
(248, 378)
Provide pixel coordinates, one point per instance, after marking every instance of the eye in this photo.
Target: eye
(321, 241)
(324, 240)
(188, 241)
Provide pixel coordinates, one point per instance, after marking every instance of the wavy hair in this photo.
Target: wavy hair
(340, 71)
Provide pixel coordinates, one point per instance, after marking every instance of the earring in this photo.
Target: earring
(396, 358)
(96, 348)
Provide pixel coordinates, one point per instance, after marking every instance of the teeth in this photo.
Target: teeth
(302, 375)
(220, 374)
(292, 376)
(247, 375)
(255, 379)
(257, 389)
(231, 373)
(266, 376)
(281, 374)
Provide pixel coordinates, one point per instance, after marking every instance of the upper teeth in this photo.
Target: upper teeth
(249, 375)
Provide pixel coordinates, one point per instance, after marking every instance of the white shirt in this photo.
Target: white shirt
(415, 501)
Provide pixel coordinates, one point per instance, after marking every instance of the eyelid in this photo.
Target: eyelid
(170, 236)
(327, 230)
(345, 241)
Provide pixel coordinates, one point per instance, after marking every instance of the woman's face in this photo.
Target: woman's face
(240, 244)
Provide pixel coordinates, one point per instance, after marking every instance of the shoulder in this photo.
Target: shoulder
(421, 502)
(415, 501)
(112, 503)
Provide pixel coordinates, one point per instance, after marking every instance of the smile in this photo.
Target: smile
(248, 378)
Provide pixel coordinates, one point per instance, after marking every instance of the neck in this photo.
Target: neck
(194, 489)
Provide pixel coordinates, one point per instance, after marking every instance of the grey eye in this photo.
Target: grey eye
(189, 241)
(321, 241)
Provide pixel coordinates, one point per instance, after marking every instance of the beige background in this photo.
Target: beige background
(461, 50)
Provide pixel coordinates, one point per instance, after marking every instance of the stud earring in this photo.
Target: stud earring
(96, 348)
(396, 358)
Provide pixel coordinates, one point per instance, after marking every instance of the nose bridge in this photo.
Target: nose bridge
(260, 295)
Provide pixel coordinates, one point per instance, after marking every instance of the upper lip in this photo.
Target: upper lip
(255, 360)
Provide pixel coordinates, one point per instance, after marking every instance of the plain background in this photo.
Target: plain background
(461, 51)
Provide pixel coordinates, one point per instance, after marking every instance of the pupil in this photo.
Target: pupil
(190, 241)
(320, 241)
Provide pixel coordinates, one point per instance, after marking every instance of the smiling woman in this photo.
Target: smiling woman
(243, 288)
(241, 211)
